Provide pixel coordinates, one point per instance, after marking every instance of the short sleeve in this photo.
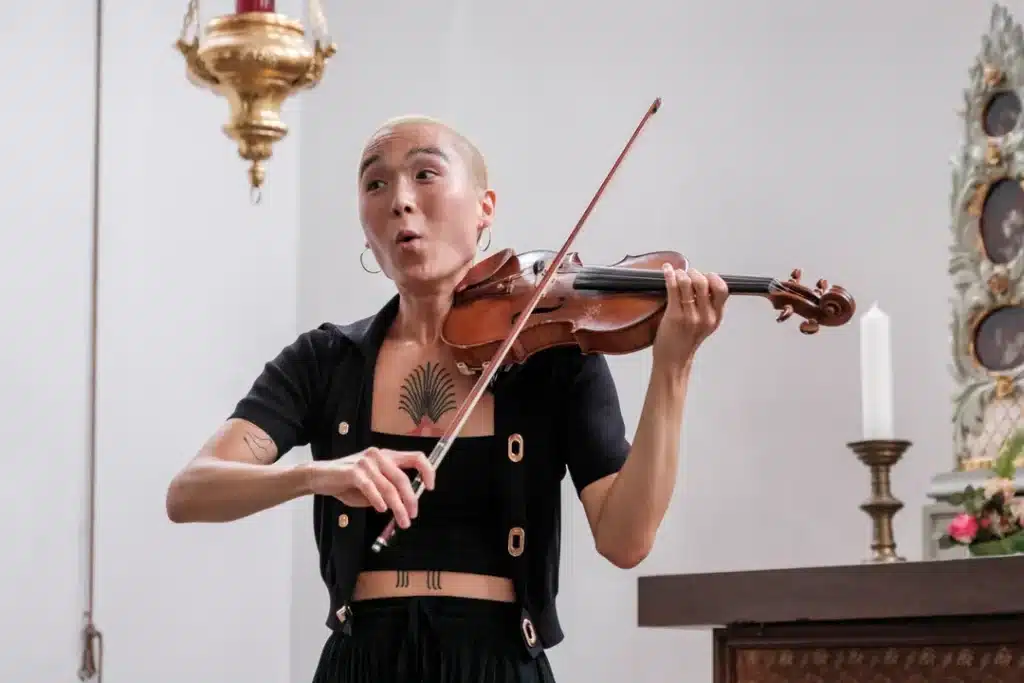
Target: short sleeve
(286, 399)
(595, 437)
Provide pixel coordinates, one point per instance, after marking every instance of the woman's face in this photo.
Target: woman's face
(421, 209)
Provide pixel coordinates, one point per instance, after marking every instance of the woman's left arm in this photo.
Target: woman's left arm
(625, 509)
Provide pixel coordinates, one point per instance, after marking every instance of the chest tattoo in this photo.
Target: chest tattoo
(428, 393)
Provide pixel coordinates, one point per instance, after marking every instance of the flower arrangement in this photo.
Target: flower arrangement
(992, 522)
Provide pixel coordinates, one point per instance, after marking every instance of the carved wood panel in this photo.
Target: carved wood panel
(970, 650)
(949, 664)
(987, 255)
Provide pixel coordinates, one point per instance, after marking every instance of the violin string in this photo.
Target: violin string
(653, 277)
(658, 274)
(614, 274)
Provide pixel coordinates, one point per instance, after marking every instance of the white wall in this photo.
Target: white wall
(793, 134)
(198, 290)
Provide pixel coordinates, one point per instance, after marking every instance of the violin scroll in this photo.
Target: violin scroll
(824, 304)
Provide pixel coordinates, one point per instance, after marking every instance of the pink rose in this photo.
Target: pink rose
(963, 528)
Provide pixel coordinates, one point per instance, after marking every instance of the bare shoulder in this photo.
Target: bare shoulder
(239, 440)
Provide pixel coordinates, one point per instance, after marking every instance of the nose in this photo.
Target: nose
(402, 202)
(401, 207)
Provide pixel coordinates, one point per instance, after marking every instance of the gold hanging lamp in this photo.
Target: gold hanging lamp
(256, 59)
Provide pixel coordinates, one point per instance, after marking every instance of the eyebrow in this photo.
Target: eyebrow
(374, 158)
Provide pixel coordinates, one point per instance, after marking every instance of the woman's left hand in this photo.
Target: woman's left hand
(693, 313)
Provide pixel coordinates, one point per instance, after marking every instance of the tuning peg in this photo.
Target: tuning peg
(784, 314)
(822, 285)
(809, 326)
(796, 274)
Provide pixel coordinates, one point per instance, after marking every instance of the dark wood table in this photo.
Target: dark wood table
(948, 621)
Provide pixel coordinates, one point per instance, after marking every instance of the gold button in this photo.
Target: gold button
(529, 632)
(515, 447)
(343, 520)
(343, 428)
(516, 541)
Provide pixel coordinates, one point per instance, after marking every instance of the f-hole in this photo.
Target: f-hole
(540, 309)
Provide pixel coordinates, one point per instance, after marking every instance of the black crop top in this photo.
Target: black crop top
(460, 524)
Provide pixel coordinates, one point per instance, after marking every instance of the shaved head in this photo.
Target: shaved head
(424, 203)
(469, 152)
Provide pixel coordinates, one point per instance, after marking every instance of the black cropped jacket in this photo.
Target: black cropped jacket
(559, 412)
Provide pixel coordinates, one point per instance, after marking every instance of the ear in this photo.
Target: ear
(487, 201)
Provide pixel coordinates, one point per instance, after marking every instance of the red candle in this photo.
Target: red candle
(254, 6)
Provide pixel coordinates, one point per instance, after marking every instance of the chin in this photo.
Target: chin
(426, 277)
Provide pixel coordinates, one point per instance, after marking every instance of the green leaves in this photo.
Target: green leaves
(1004, 466)
(971, 500)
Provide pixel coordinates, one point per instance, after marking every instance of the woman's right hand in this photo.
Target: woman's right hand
(374, 478)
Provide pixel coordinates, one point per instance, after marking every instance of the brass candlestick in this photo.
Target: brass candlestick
(880, 455)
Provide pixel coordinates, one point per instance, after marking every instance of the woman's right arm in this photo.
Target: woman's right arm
(237, 472)
(234, 475)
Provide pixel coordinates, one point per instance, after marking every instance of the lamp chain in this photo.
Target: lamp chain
(191, 18)
(319, 23)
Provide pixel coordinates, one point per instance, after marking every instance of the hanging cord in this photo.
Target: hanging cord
(92, 640)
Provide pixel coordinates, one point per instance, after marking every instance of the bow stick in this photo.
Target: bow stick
(489, 370)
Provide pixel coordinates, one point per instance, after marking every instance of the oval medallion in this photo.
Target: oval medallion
(999, 339)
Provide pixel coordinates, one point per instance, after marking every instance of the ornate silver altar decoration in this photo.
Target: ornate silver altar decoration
(987, 258)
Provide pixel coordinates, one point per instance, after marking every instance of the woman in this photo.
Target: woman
(466, 589)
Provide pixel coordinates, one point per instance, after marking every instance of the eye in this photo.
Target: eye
(426, 174)
(373, 185)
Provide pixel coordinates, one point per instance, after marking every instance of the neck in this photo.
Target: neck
(617, 279)
(423, 308)
(420, 317)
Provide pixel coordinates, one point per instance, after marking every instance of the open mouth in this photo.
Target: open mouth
(407, 236)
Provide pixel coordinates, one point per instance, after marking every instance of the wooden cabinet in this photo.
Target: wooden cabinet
(953, 621)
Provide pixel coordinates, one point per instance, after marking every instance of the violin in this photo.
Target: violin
(612, 309)
(522, 304)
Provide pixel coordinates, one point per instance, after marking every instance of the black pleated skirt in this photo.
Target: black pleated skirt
(431, 640)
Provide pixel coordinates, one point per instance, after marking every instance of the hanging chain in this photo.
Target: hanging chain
(319, 23)
(191, 18)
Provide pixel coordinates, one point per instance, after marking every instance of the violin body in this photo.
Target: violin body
(495, 292)
(613, 309)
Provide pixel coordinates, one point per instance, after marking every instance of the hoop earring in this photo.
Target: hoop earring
(488, 245)
(363, 264)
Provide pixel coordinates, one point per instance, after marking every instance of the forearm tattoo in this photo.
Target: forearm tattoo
(401, 579)
(433, 581)
(261, 447)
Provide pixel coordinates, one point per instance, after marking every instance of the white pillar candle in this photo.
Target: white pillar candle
(876, 374)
